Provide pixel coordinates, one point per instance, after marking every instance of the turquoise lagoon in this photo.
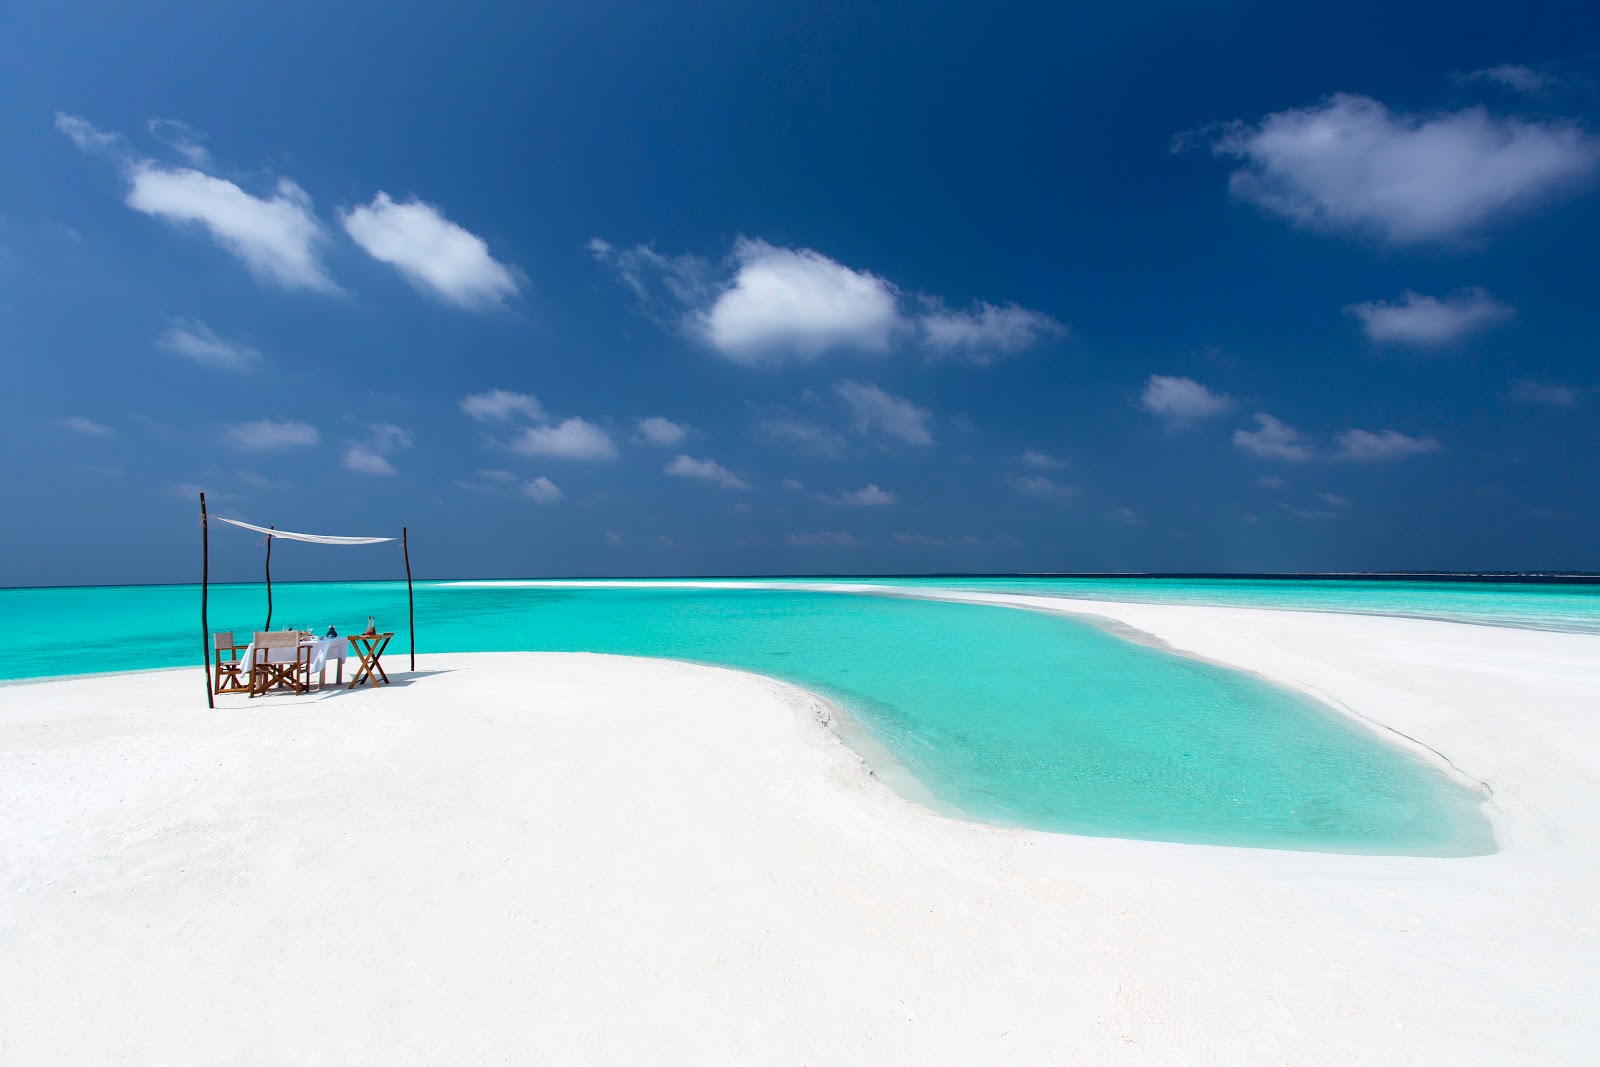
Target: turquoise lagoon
(1009, 717)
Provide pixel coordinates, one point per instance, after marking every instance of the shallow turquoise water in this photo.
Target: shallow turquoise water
(1004, 716)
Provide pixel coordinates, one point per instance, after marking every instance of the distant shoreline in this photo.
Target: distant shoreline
(1467, 577)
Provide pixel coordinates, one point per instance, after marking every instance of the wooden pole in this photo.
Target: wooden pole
(411, 605)
(268, 626)
(205, 595)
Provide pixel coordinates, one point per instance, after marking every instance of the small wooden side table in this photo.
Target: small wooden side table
(368, 649)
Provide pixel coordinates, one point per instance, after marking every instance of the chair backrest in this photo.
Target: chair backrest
(224, 638)
(277, 639)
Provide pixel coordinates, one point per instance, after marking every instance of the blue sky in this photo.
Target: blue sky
(800, 288)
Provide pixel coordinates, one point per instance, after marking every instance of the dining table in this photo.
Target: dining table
(323, 650)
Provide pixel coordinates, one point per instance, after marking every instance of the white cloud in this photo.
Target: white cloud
(803, 434)
(1349, 163)
(196, 341)
(277, 238)
(572, 438)
(1515, 76)
(497, 476)
(821, 538)
(797, 303)
(929, 541)
(1427, 321)
(83, 133)
(1365, 446)
(435, 255)
(87, 427)
(686, 279)
(182, 138)
(613, 538)
(1041, 460)
(876, 411)
(1181, 400)
(1041, 487)
(1272, 481)
(265, 434)
(542, 490)
(869, 497)
(386, 435)
(1126, 516)
(986, 331)
(370, 456)
(769, 305)
(706, 470)
(363, 459)
(1330, 507)
(499, 404)
(662, 432)
(1273, 440)
(1540, 393)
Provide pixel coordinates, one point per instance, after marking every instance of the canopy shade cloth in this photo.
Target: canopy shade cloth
(321, 539)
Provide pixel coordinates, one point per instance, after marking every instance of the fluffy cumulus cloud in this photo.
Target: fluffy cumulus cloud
(1273, 439)
(705, 470)
(434, 254)
(1042, 488)
(984, 332)
(278, 237)
(194, 340)
(661, 432)
(365, 460)
(768, 304)
(882, 413)
(1427, 321)
(497, 405)
(797, 303)
(542, 490)
(1180, 401)
(266, 434)
(1349, 163)
(572, 438)
(1382, 446)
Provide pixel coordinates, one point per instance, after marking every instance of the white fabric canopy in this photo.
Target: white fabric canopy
(321, 539)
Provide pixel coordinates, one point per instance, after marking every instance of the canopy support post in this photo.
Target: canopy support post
(205, 596)
(411, 605)
(268, 626)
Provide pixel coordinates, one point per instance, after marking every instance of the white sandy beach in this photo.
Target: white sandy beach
(575, 859)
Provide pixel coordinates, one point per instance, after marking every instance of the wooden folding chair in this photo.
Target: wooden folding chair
(229, 664)
(265, 672)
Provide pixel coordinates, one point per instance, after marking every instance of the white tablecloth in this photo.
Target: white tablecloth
(323, 650)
